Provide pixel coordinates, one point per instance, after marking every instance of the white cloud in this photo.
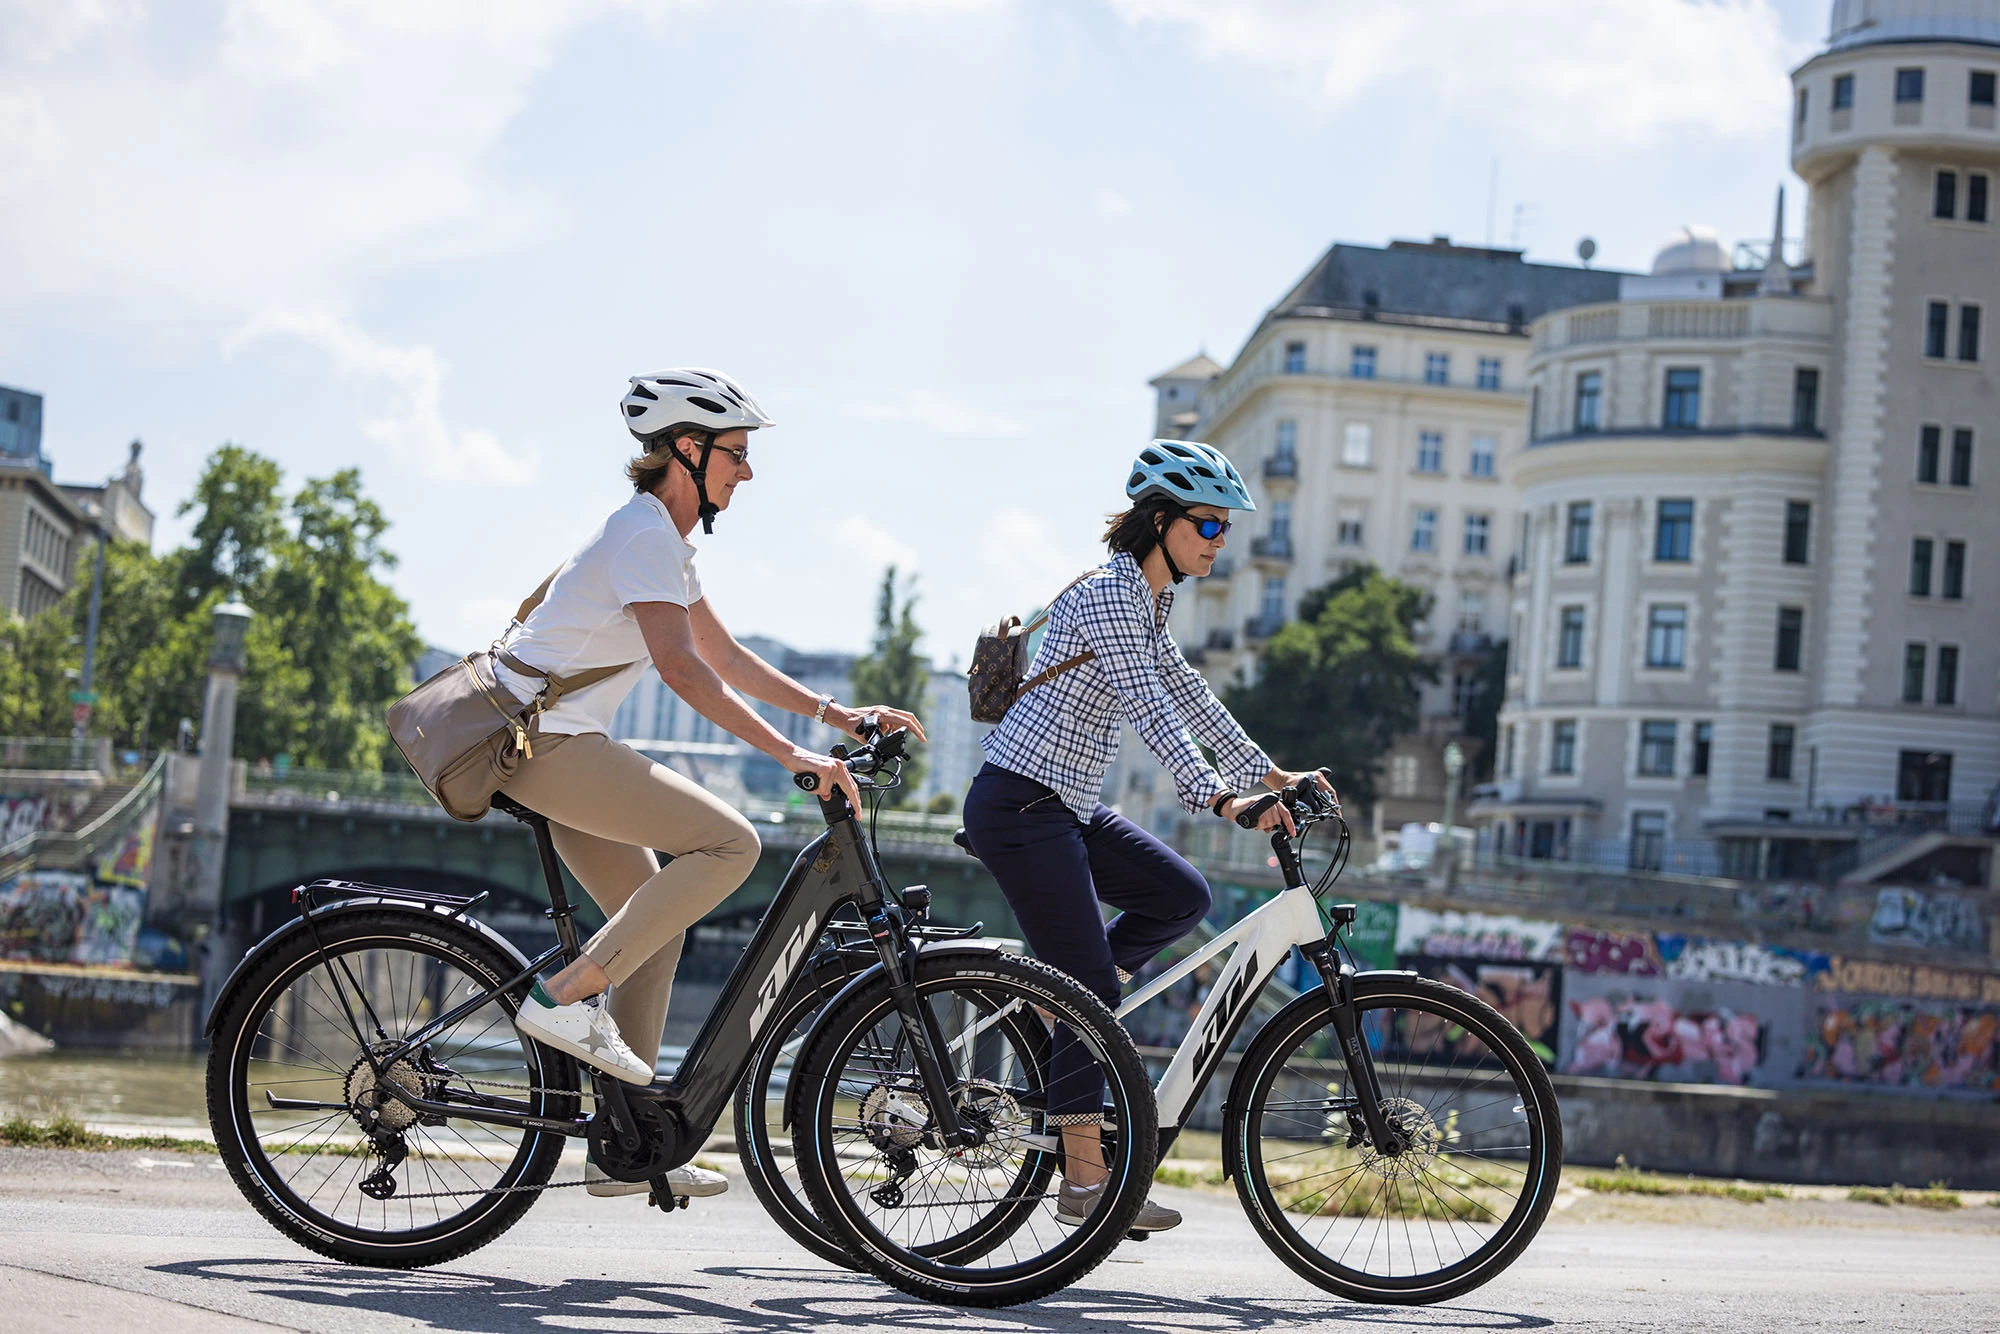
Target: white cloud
(1017, 540)
(870, 548)
(1109, 202)
(939, 412)
(1578, 75)
(410, 427)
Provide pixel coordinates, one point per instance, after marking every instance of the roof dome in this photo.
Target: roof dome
(1697, 249)
(1873, 22)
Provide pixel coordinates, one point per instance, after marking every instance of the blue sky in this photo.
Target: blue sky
(946, 242)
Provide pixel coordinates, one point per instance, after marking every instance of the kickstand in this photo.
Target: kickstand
(663, 1197)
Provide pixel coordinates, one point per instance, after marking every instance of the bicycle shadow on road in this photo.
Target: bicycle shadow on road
(768, 1299)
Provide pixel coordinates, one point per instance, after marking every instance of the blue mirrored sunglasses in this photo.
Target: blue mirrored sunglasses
(1210, 529)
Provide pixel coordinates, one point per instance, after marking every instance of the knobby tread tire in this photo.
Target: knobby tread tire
(227, 1059)
(1244, 1112)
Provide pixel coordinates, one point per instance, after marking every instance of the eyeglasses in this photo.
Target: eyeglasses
(740, 457)
(1210, 529)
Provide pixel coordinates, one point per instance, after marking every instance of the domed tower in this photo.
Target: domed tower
(1761, 581)
(1894, 130)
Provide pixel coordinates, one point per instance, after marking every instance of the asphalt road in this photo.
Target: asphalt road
(134, 1243)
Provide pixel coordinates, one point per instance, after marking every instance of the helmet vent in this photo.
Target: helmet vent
(707, 404)
(1178, 480)
(635, 409)
(640, 391)
(684, 384)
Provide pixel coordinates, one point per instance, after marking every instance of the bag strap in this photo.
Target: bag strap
(535, 599)
(1037, 623)
(558, 686)
(1050, 673)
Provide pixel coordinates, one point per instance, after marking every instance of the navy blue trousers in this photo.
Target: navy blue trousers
(1055, 869)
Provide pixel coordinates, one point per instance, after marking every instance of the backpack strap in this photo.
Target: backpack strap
(1037, 623)
(1050, 673)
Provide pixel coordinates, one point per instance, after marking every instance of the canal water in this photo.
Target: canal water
(107, 1088)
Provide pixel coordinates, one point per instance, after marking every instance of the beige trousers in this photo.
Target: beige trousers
(608, 807)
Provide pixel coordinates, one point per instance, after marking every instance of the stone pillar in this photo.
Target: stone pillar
(208, 935)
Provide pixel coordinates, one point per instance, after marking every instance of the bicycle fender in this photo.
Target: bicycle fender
(298, 927)
(794, 1089)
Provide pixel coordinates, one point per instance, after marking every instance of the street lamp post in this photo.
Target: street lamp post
(1454, 765)
(211, 803)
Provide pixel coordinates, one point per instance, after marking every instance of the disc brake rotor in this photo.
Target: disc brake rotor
(1422, 1139)
(1000, 1116)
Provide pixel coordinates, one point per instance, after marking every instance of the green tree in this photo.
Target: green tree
(36, 657)
(241, 523)
(892, 673)
(1337, 686)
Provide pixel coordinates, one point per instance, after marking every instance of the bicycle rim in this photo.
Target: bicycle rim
(1451, 1211)
(297, 1042)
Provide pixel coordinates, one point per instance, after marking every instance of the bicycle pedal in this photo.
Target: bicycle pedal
(1136, 1235)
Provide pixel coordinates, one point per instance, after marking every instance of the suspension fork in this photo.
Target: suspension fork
(898, 952)
(1338, 975)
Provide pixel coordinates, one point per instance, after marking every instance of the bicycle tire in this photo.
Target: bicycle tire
(996, 984)
(1458, 1187)
(303, 1039)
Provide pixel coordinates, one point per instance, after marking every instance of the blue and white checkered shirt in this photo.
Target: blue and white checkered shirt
(1064, 733)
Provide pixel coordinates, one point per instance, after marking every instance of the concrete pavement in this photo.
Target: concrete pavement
(161, 1243)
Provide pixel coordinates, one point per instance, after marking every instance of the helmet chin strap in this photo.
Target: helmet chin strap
(1166, 553)
(707, 509)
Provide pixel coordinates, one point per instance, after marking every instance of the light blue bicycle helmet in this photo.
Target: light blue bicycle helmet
(1189, 473)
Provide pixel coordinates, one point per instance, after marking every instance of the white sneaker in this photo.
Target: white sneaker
(689, 1180)
(584, 1030)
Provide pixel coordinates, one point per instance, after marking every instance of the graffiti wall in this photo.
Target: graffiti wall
(82, 917)
(21, 816)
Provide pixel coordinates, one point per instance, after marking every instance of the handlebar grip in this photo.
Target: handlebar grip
(1248, 819)
(806, 782)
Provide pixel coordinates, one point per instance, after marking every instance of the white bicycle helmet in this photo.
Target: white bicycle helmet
(688, 397)
(1190, 473)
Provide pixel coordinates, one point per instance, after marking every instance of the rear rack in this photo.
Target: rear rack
(309, 895)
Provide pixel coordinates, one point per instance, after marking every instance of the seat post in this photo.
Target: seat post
(561, 911)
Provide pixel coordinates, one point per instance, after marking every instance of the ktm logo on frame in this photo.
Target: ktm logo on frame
(773, 984)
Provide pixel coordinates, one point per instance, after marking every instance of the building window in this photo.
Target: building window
(1704, 741)
(1976, 190)
(1799, 116)
(1666, 636)
(1947, 674)
(1569, 644)
(1478, 528)
(1348, 529)
(1423, 532)
(1361, 363)
(1968, 332)
(1683, 405)
(1909, 85)
(1798, 532)
(1437, 368)
(1288, 439)
(1944, 195)
(1430, 451)
(1913, 673)
(1980, 90)
(1656, 749)
(1464, 693)
(1480, 462)
(1280, 531)
(1576, 542)
(1590, 401)
(1649, 840)
(1791, 636)
(1357, 445)
(1953, 584)
(1472, 611)
(1534, 412)
(1273, 609)
(1507, 752)
(1562, 747)
(1489, 373)
(1673, 538)
(1937, 328)
(1402, 775)
(1778, 757)
(1295, 358)
(1927, 453)
(1920, 567)
(1923, 775)
(1805, 399)
(1843, 92)
(1961, 457)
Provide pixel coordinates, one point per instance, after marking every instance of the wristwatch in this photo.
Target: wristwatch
(819, 714)
(1221, 801)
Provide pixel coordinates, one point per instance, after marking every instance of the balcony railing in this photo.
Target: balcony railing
(1471, 643)
(1668, 857)
(1261, 627)
(1274, 547)
(1220, 638)
(1281, 467)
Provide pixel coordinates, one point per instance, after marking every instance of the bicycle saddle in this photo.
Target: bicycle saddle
(503, 802)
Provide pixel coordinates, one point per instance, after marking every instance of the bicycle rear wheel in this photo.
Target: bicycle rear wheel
(1433, 1222)
(430, 1188)
(974, 1226)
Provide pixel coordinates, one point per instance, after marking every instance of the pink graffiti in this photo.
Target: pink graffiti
(1589, 951)
(1633, 1037)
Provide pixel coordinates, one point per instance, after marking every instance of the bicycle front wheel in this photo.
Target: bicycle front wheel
(1457, 1205)
(973, 1225)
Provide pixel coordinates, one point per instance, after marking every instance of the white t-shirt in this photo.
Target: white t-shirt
(586, 620)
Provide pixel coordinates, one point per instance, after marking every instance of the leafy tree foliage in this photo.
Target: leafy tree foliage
(330, 647)
(892, 673)
(1337, 686)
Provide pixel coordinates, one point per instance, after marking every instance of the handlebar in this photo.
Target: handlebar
(1305, 799)
(880, 750)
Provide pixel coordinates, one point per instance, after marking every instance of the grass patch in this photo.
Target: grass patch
(66, 1131)
(1624, 1180)
(1933, 1196)
(1209, 1175)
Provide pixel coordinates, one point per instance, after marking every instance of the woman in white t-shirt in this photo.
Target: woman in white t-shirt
(630, 595)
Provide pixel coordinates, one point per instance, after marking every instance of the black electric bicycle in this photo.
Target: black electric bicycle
(1392, 1139)
(372, 1098)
